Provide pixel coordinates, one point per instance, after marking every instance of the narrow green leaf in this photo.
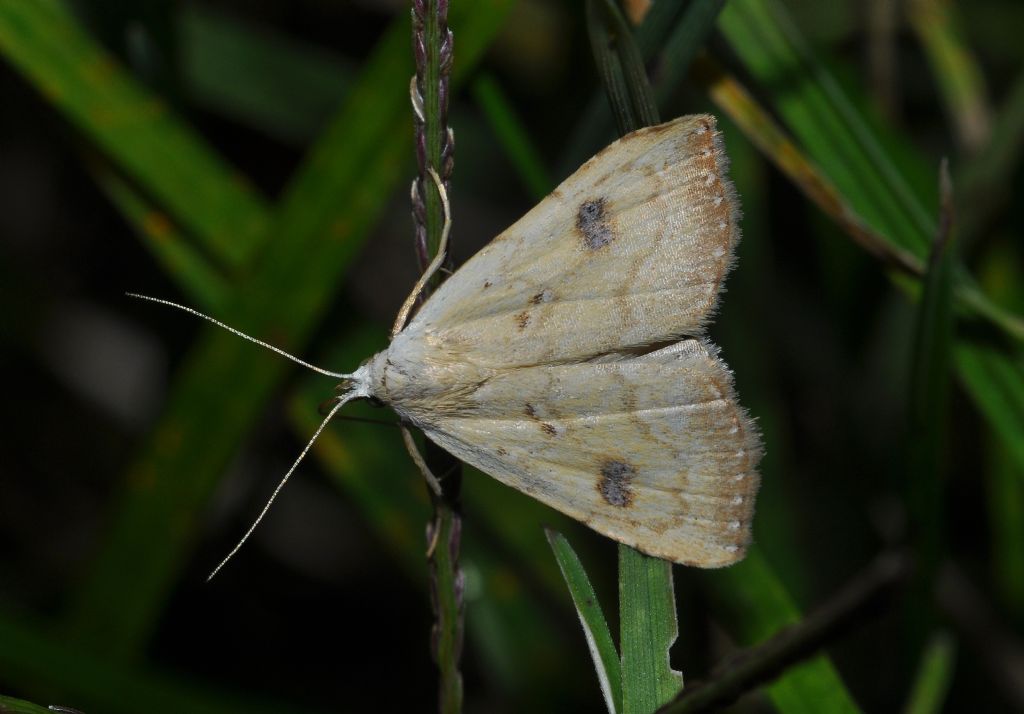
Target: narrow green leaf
(182, 262)
(244, 73)
(647, 631)
(954, 68)
(838, 138)
(1006, 514)
(595, 627)
(996, 383)
(512, 136)
(134, 128)
(620, 67)
(647, 611)
(756, 605)
(326, 214)
(826, 122)
(934, 677)
(985, 182)
(9, 705)
(686, 40)
(594, 126)
(762, 130)
(929, 399)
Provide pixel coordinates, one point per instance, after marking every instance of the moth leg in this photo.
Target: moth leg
(435, 264)
(417, 458)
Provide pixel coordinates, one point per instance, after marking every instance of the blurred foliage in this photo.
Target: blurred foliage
(251, 159)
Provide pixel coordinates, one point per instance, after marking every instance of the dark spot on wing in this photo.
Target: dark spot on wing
(501, 451)
(592, 223)
(487, 284)
(530, 411)
(614, 484)
(548, 429)
(522, 320)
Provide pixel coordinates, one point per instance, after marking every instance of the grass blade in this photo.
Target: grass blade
(220, 391)
(620, 67)
(10, 705)
(509, 130)
(826, 122)
(134, 128)
(595, 627)
(985, 182)
(762, 130)
(180, 259)
(934, 677)
(246, 73)
(648, 629)
(954, 67)
(686, 40)
(996, 384)
(1006, 515)
(647, 611)
(929, 404)
(758, 605)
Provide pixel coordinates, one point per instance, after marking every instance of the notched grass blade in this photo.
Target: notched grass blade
(595, 626)
(648, 628)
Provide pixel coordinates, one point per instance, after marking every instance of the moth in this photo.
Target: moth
(567, 358)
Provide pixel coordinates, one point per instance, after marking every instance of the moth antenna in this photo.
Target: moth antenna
(239, 333)
(342, 401)
(435, 264)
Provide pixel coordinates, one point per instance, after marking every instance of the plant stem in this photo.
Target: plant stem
(432, 50)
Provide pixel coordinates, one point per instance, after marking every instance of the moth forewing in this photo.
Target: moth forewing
(630, 250)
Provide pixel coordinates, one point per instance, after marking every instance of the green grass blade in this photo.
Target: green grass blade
(762, 130)
(192, 271)
(954, 67)
(245, 73)
(509, 130)
(326, 214)
(647, 631)
(594, 128)
(143, 138)
(595, 627)
(620, 67)
(934, 677)
(9, 705)
(985, 183)
(826, 121)
(1006, 516)
(686, 40)
(929, 404)
(647, 611)
(996, 384)
(757, 605)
